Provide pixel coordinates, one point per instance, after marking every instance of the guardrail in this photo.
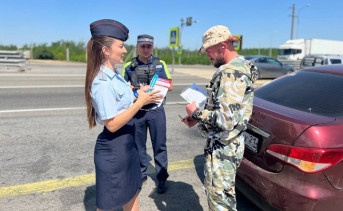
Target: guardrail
(13, 58)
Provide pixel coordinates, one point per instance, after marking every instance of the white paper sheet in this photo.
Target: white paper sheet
(162, 85)
(194, 93)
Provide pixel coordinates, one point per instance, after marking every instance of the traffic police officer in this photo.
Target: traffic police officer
(139, 71)
(109, 101)
(224, 117)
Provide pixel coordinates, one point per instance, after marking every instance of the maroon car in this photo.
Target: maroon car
(294, 142)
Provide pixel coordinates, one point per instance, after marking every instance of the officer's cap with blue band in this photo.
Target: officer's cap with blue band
(110, 28)
(145, 39)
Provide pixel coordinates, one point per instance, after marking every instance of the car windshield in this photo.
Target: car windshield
(289, 51)
(306, 91)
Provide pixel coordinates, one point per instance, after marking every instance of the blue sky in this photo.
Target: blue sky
(263, 23)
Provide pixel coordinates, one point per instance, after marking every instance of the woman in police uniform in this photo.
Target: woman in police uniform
(109, 102)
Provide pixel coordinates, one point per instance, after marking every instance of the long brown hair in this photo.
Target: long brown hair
(95, 57)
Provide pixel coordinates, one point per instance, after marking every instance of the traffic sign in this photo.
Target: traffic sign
(174, 37)
(179, 49)
(189, 21)
(238, 45)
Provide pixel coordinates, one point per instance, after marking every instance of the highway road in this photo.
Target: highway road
(46, 153)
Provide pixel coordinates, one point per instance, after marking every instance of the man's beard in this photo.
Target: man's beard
(219, 62)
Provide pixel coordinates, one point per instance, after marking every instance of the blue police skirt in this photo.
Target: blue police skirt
(117, 168)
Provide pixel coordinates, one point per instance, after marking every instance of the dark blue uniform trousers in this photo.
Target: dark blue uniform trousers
(155, 120)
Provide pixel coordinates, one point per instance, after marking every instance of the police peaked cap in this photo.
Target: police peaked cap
(145, 39)
(111, 28)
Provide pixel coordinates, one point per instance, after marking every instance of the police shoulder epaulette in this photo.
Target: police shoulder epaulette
(102, 76)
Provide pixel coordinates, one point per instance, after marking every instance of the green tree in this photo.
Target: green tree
(8, 47)
(77, 52)
(42, 52)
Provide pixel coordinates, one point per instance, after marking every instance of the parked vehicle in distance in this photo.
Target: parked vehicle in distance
(297, 49)
(269, 67)
(293, 51)
(318, 59)
(294, 147)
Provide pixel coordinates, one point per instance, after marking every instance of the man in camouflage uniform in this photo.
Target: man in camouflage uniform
(224, 117)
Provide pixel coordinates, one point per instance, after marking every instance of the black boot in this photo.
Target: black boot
(161, 188)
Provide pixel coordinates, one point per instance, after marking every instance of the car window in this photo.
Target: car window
(318, 61)
(310, 92)
(308, 62)
(336, 61)
(262, 60)
(273, 61)
(288, 51)
(313, 61)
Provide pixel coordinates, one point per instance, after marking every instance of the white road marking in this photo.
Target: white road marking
(72, 86)
(43, 75)
(42, 109)
(43, 86)
(71, 108)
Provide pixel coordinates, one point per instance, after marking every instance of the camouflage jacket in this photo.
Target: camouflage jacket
(229, 103)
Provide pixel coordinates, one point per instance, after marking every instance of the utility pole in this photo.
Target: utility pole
(293, 16)
(67, 54)
(188, 22)
(180, 34)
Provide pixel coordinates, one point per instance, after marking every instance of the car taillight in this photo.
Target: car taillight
(308, 160)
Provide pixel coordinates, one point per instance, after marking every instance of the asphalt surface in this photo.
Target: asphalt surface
(46, 153)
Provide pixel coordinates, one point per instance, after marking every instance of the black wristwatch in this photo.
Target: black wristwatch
(195, 114)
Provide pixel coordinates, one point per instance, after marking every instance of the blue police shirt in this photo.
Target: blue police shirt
(110, 93)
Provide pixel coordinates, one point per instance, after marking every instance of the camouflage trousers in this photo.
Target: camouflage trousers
(221, 163)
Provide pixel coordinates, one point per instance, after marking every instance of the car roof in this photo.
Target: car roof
(336, 69)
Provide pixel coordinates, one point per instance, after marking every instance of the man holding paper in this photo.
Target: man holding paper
(141, 71)
(225, 115)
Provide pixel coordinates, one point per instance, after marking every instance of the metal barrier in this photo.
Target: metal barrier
(13, 58)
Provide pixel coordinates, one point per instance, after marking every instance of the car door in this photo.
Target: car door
(263, 68)
(275, 67)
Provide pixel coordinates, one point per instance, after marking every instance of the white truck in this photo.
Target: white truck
(293, 51)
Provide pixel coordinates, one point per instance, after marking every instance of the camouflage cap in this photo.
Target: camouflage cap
(214, 36)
